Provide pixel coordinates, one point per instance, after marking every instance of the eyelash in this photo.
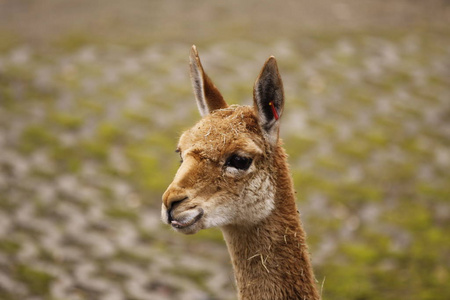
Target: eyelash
(239, 162)
(179, 152)
(235, 161)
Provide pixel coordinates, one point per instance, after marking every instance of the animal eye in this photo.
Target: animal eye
(179, 152)
(238, 162)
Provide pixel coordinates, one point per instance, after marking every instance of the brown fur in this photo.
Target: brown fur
(271, 260)
(255, 208)
(202, 84)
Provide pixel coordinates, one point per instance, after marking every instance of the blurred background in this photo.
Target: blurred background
(94, 95)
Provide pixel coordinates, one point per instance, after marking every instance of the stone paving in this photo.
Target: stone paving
(86, 150)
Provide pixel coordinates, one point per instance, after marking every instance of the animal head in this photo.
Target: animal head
(226, 176)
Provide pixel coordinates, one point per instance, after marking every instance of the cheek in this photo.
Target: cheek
(258, 187)
(220, 215)
(258, 198)
(252, 204)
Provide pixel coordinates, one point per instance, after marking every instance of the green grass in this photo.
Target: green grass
(369, 158)
(38, 282)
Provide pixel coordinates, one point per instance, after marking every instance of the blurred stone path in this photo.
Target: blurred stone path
(86, 150)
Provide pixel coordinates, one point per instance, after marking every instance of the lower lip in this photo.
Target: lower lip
(179, 225)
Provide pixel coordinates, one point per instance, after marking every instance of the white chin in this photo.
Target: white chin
(188, 222)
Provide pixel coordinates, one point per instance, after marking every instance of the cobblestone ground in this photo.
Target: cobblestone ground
(86, 150)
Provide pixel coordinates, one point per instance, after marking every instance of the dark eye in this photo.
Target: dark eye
(238, 162)
(179, 152)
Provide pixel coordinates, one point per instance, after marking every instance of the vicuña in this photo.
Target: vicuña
(234, 175)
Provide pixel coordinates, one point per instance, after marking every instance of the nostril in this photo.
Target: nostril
(173, 205)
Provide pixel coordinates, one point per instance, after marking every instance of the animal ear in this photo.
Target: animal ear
(268, 99)
(207, 95)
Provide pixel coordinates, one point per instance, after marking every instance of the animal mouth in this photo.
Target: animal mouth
(186, 219)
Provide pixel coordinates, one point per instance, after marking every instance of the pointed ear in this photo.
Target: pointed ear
(207, 95)
(268, 99)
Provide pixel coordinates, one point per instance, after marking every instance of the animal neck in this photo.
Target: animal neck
(271, 259)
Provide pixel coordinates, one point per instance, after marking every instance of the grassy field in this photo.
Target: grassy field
(87, 138)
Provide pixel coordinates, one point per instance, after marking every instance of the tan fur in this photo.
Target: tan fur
(255, 208)
(203, 86)
(271, 260)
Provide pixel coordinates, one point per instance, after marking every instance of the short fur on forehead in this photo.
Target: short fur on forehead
(223, 132)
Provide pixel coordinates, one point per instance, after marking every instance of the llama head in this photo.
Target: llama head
(226, 176)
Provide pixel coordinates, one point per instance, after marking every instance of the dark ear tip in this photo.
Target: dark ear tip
(271, 64)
